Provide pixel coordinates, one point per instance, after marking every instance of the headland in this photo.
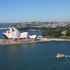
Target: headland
(13, 36)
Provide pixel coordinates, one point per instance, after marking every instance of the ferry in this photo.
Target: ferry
(60, 55)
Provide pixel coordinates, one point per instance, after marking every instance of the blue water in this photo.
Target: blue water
(35, 56)
(1, 33)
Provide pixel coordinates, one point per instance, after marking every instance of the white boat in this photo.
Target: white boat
(60, 55)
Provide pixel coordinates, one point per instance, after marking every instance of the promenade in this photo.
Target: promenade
(20, 41)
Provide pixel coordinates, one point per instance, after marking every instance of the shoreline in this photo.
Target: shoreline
(24, 41)
(55, 39)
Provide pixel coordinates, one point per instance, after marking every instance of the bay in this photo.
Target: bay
(35, 56)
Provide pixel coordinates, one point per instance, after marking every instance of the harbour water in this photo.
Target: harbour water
(35, 56)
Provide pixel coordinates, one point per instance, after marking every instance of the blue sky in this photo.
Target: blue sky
(34, 10)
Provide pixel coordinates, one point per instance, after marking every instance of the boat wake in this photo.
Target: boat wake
(67, 55)
(0, 39)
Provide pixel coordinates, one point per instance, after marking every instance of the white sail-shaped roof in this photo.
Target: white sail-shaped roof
(33, 36)
(15, 34)
(24, 35)
(12, 33)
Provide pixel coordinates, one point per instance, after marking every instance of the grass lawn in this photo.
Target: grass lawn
(64, 37)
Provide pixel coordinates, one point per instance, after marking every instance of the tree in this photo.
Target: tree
(68, 33)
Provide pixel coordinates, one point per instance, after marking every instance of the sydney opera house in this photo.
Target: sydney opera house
(13, 33)
(13, 36)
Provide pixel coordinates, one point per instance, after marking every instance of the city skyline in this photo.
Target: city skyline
(34, 10)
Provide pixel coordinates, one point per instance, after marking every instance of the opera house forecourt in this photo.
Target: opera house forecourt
(13, 36)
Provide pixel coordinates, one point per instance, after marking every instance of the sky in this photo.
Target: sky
(34, 10)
